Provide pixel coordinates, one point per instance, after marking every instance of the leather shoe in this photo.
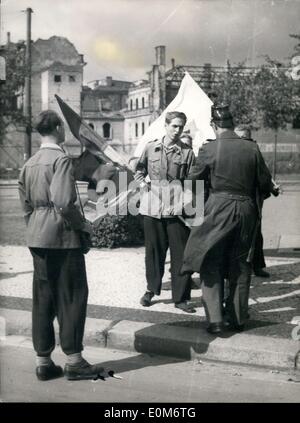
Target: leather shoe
(215, 328)
(184, 306)
(235, 328)
(262, 273)
(83, 371)
(48, 372)
(146, 299)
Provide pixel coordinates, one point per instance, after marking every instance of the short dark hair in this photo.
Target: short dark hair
(47, 121)
(173, 115)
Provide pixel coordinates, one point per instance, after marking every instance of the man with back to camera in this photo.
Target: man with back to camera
(236, 170)
(258, 261)
(54, 236)
(165, 159)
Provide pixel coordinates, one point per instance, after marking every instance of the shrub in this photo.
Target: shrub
(118, 231)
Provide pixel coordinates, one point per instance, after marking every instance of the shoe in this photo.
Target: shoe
(83, 371)
(48, 372)
(184, 306)
(235, 328)
(215, 328)
(146, 299)
(262, 273)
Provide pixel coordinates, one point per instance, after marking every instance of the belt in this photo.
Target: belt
(232, 195)
(44, 207)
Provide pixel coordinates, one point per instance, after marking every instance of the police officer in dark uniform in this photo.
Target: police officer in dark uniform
(236, 170)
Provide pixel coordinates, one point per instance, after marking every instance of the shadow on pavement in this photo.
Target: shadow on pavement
(140, 361)
(7, 275)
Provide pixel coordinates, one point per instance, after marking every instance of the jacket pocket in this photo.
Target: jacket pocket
(154, 167)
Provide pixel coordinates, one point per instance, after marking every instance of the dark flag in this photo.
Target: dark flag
(90, 166)
(92, 141)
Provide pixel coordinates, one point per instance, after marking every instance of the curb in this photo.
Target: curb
(172, 340)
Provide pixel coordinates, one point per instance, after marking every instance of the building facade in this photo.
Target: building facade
(102, 105)
(57, 68)
(137, 115)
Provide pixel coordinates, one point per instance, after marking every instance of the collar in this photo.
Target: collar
(50, 145)
(229, 134)
(160, 143)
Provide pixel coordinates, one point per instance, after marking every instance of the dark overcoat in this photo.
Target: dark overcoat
(236, 169)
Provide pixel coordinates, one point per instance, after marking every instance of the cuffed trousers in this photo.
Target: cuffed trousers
(159, 235)
(59, 290)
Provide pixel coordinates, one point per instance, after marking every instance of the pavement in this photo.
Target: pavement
(116, 320)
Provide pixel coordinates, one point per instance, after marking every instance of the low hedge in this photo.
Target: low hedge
(118, 231)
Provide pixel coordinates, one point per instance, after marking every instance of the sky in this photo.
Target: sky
(118, 37)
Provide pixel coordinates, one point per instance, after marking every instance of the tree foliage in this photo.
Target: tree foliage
(12, 88)
(264, 97)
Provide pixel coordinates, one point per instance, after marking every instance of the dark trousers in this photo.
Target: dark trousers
(258, 261)
(226, 256)
(159, 235)
(59, 290)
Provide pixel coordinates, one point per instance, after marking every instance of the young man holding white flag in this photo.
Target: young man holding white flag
(166, 160)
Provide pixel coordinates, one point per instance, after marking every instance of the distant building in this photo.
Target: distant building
(138, 113)
(57, 68)
(146, 101)
(102, 104)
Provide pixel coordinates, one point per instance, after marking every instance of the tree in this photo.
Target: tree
(275, 99)
(297, 46)
(12, 89)
(235, 87)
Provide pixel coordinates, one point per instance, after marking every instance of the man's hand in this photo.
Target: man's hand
(276, 189)
(104, 172)
(88, 228)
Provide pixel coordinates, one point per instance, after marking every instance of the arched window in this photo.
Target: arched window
(143, 128)
(137, 103)
(106, 130)
(131, 104)
(136, 130)
(143, 103)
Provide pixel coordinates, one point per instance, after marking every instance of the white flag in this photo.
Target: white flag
(196, 105)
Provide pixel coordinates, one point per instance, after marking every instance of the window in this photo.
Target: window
(136, 130)
(91, 125)
(143, 128)
(57, 78)
(72, 78)
(143, 103)
(106, 130)
(131, 104)
(137, 103)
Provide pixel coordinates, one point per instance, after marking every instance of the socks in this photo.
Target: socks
(73, 359)
(43, 361)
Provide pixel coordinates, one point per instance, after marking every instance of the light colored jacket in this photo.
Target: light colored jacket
(160, 164)
(48, 195)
